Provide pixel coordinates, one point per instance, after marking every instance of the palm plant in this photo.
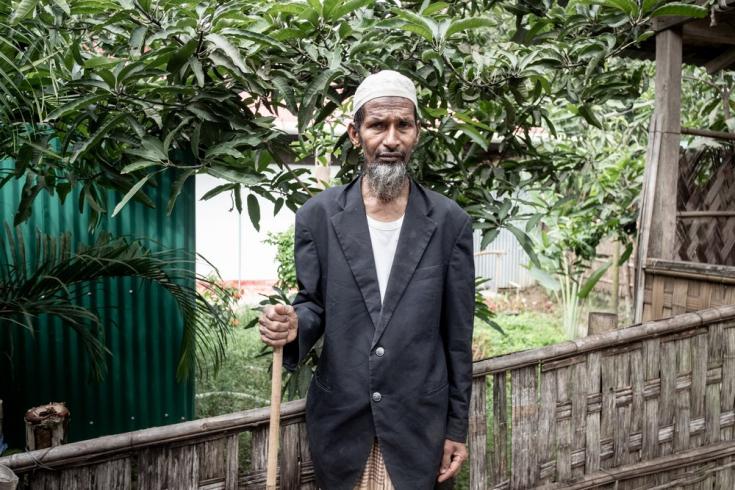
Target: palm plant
(51, 281)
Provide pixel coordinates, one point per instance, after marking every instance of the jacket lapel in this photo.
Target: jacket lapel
(351, 228)
(416, 232)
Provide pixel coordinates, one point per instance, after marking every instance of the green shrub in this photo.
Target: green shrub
(284, 243)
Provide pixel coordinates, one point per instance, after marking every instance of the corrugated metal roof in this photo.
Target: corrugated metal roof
(142, 328)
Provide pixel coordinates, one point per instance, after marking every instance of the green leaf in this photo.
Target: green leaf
(594, 278)
(586, 112)
(254, 211)
(288, 33)
(63, 6)
(23, 10)
(682, 10)
(218, 190)
(196, 67)
(316, 5)
(474, 135)
(97, 136)
(294, 8)
(347, 8)
(434, 7)
(232, 53)
(133, 190)
(137, 38)
(176, 188)
(237, 192)
(467, 24)
(28, 195)
(99, 61)
(231, 174)
(316, 88)
(525, 242)
(255, 37)
(286, 91)
(488, 236)
(329, 5)
(546, 280)
(73, 106)
(181, 56)
(138, 165)
(630, 7)
(425, 26)
(468, 119)
(277, 207)
(417, 29)
(626, 254)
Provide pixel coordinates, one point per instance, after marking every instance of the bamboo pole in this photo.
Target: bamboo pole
(275, 423)
(616, 278)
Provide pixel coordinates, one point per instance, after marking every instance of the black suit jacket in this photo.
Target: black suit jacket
(401, 371)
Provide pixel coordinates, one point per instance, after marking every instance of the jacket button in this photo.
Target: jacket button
(379, 352)
(377, 397)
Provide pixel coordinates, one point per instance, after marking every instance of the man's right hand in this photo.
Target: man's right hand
(278, 324)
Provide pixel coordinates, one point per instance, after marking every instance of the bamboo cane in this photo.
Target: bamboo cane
(274, 429)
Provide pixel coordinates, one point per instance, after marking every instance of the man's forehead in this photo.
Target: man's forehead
(381, 106)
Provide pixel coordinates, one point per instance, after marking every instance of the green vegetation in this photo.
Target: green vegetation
(526, 330)
(49, 275)
(243, 381)
(134, 88)
(284, 243)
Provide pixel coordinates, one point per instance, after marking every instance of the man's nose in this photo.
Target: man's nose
(391, 141)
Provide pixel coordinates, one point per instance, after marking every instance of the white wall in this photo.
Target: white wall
(228, 239)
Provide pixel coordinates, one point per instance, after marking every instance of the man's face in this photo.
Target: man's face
(389, 131)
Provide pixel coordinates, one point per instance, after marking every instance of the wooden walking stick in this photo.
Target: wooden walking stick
(274, 430)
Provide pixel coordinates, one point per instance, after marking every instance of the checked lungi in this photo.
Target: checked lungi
(375, 476)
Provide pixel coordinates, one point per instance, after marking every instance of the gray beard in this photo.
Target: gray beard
(385, 180)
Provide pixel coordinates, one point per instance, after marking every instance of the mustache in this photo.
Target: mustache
(392, 154)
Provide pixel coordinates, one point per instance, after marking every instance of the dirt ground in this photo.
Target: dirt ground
(515, 301)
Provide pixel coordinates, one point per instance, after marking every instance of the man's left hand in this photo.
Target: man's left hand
(455, 453)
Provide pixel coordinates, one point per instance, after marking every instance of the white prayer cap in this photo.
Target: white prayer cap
(385, 83)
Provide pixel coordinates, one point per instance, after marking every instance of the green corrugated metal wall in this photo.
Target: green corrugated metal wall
(142, 329)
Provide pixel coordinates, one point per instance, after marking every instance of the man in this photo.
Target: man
(386, 274)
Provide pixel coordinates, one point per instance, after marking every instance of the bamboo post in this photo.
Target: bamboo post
(657, 221)
(601, 322)
(616, 277)
(46, 426)
(275, 422)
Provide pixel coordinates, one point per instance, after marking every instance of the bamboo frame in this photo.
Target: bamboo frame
(600, 385)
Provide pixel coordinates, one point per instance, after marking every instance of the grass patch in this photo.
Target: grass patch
(243, 381)
(523, 331)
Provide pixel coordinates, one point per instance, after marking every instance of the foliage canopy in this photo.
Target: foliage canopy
(132, 88)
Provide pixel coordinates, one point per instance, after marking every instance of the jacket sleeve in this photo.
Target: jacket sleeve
(308, 303)
(458, 319)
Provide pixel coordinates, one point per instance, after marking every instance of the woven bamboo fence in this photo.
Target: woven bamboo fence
(650, 406)
(705, 220)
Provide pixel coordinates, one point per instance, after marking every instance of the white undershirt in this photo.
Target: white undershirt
(384, 238)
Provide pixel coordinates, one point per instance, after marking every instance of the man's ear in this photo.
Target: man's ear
(353, 134)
